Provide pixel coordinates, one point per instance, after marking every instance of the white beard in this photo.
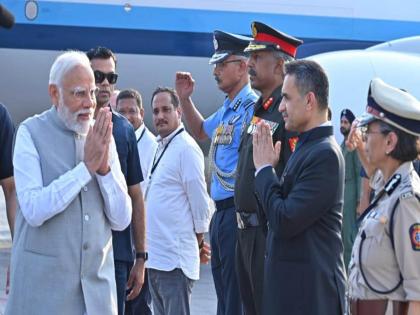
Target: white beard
(70, 119)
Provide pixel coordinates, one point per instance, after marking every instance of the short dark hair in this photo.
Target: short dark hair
(130, 93)
(172, 93)
(100, 52)
(406, 148)
(309, 77)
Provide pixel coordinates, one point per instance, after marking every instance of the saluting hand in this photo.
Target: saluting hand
(354, 139)
(184, 85)
(97, 143)
(263, 151)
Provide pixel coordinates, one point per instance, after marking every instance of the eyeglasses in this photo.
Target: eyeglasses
(81, 93)
(110, 76)
(366, 132)
(223, 64)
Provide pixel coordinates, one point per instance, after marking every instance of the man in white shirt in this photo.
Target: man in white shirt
(71, 193)
(177, 209)
(129, 104)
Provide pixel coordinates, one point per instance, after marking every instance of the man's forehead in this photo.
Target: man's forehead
(106, 64)
(129, 102)
(79, 75)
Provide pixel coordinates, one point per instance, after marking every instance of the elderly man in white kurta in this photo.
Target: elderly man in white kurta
(71, 193)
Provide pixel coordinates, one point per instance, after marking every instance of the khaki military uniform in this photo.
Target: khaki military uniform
(381, 264)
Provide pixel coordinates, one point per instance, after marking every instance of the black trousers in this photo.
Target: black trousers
(250, 251)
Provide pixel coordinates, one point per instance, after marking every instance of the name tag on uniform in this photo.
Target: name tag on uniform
(255, 120)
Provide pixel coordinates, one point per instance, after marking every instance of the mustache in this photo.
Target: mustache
(85, 111)
(252, 72)
(217, 79)
(161, 121)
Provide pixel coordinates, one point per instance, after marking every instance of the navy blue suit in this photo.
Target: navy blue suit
(304, 270)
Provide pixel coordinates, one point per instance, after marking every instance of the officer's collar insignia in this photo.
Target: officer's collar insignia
(215, 43)
(392, 184)
(268, 103)
(237, 104)
(415, 236)
(292, 143)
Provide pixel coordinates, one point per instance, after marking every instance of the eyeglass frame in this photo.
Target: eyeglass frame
(222, 65)
(111, 77)
(80, 93)
(364, 130)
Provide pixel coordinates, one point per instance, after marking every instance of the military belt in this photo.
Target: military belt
(377, 307)
(247, 220)
(225, 204)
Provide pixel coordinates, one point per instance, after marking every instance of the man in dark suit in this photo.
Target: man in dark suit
(304, 270)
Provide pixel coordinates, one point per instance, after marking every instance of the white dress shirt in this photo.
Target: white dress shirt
(146, 145)
(177, 206)
(39, 203)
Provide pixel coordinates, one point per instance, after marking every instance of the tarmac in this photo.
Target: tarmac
(203, 300)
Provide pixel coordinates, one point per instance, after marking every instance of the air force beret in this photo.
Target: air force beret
(392, 105)
(226, 44)
(267, 38)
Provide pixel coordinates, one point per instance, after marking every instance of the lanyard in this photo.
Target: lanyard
(156, 162)
(141, 135)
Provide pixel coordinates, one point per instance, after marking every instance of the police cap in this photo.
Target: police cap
(267, 38)
(392, 105)
(226, 44)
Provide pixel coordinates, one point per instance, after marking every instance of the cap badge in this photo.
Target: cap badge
(215, 43)
(254, 30)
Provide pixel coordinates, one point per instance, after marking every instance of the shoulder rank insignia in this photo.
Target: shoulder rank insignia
(292, 143)
(268, 103)
(255, 120)
(237, 104)
(415, 236)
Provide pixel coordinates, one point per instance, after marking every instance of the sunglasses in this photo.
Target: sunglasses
(100, 77)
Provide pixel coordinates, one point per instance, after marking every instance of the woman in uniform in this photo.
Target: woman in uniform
(385, 262)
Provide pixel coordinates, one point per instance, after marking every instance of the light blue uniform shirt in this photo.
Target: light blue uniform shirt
(225, 127)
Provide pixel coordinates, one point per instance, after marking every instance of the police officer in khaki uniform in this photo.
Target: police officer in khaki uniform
(268, 50)
(385, 263)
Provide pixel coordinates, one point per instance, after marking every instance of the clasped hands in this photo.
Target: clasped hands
(97, 143)
(264, 153)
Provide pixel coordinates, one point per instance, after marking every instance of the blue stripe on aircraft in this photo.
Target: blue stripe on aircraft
(205, 21)
(48, 37)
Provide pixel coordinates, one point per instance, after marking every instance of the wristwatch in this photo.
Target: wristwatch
(142, 255)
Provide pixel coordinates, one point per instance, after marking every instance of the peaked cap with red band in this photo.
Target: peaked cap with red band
(267, 38)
